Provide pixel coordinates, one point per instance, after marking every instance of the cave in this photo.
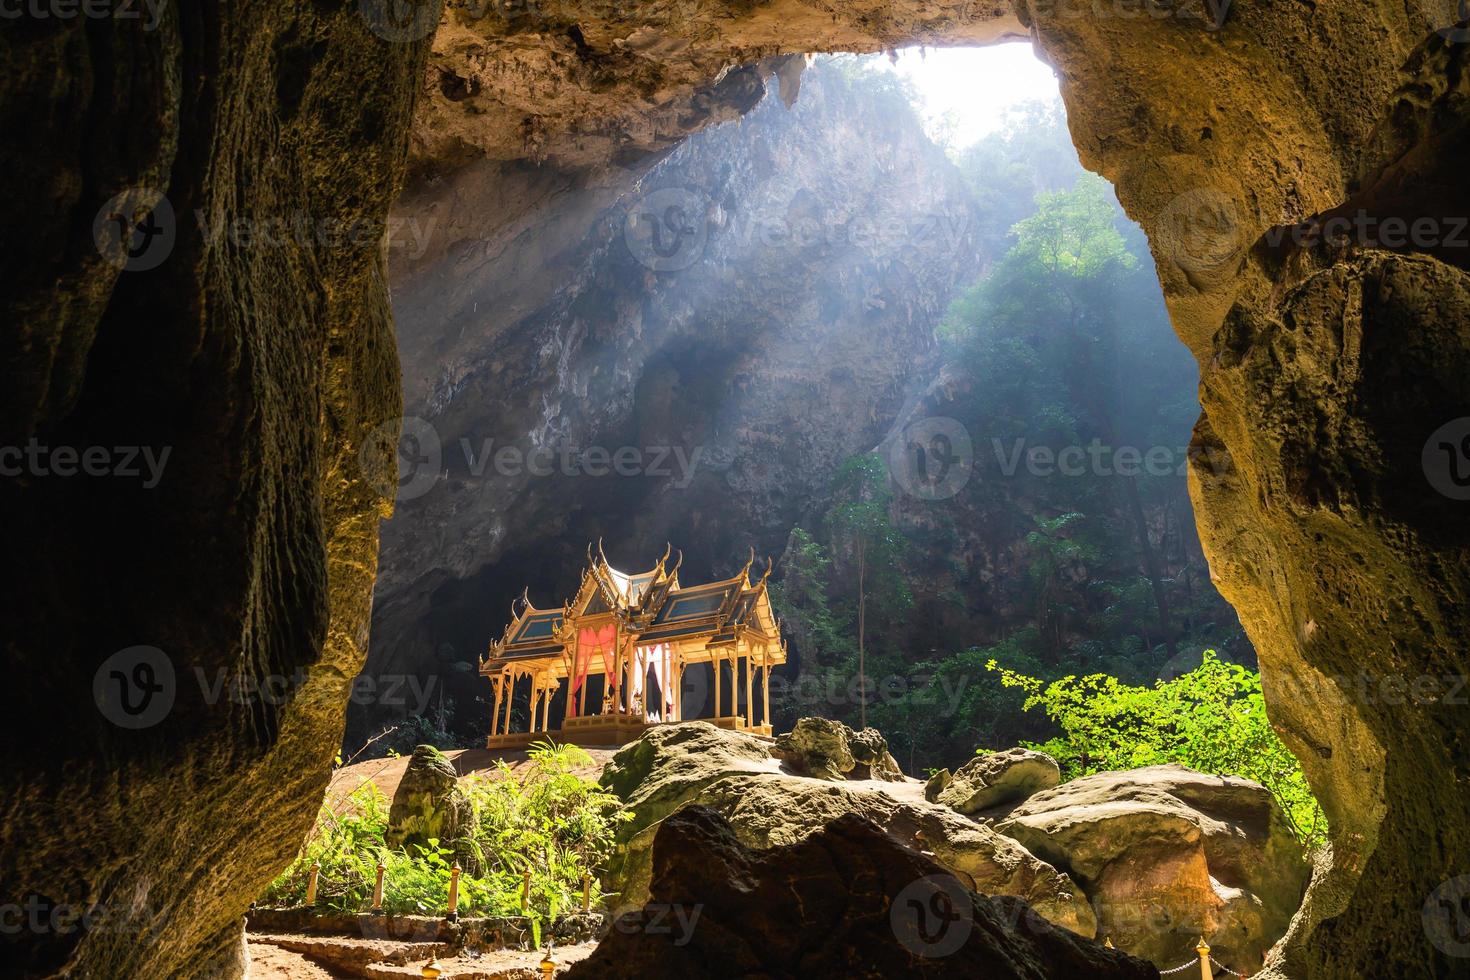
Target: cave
(1293, 165)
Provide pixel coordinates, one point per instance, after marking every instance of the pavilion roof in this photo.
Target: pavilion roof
(653, 605)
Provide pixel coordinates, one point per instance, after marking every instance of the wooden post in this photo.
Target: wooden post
(378, 891)
(1203, 949)
(765, 684)
(551, 687)
(586, 892)
(526, 892)
(316, 870)
(454, 873)
(749, 696)
(495, 715)
(510, 693)
(714, 665)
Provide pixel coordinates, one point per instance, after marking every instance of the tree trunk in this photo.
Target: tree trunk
(862, 619)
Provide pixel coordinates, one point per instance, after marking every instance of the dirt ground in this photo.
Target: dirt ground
(271, 962)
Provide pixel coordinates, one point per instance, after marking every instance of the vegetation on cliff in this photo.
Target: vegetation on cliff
(1070, 549)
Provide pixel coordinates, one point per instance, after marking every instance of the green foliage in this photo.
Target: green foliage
(1212, 719)
(551, 822)
(1064, 343)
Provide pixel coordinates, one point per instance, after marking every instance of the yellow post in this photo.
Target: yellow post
(548, 966)
(495, 715)
(316, 871)
(1203, 949)
(431, 969)
(378, 890)
(1108, 943)
(454, 873)
(586, 892)
(526, 892)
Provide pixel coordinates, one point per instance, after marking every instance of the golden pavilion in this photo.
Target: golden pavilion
(618, 653)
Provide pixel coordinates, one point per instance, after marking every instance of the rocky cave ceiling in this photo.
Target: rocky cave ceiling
(1326, 368)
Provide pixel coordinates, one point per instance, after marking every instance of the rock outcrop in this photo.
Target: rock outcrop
(735, 775)
(846, 901)
(427, 803)
(1167, 855)
(995, 779)
(825, 749)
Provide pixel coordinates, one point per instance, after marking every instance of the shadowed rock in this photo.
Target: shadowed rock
(695, 763)
(847, 901)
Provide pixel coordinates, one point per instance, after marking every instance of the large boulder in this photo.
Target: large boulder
(827, 749)
(848, 900)
(736, 775)
(871, 757)
(1167, 855)
(997, 778)
(427, 804)
(817, 747)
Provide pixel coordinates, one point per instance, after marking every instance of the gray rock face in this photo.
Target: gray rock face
(997, 778)
(1166, 855)
(568, 339)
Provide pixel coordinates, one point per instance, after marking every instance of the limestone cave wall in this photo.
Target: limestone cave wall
(1330, 371)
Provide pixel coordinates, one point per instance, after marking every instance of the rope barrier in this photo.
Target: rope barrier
(1214, 962)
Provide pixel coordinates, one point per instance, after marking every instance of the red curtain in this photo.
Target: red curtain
(590, 642)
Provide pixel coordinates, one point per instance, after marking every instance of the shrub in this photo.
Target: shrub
(1212, 719)
(552, 822)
